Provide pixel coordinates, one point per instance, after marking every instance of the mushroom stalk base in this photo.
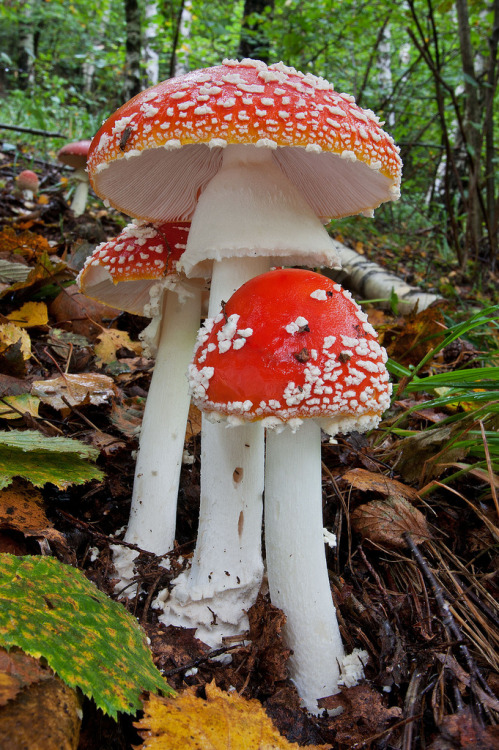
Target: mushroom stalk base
(157, 472)
(296, 562)
(226, 572)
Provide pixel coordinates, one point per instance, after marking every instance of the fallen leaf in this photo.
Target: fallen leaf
(464, 731)
(110, 341)
(13, 407)
(223, 720)
(42, 460)
(50, 609)
(17, 670)
(369, 481)
(45, 714)
(10, 335)
(75, 390)
(193, 422)
(21, 508)
(127, 416)
(30, 314)
(384, 521)
(426, 455)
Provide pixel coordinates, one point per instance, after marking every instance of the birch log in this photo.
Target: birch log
(371, 281)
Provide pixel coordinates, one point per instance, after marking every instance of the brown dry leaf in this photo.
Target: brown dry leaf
(364, 713)
(106, 444)
(368, 481)
(463, 730)
(193, 422)
(75, 390)
(384, 521)
(426, 455)
(25, 243)
(44, 715)
(127, 416)
(30, 314)
(416, 336)
(17, 670)
(21, 508)
(109, 341)
(220, 722)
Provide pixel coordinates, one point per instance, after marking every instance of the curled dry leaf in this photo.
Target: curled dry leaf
(75, 390)
(369, 481)
(384, 521)
(220, 722)
(17, 670)
(11, 335)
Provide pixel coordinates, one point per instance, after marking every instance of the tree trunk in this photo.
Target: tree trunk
(88, 66)
(150, 56)
(132, 49)
(490, 149)
(181, 60)
(26, 56)
(254, 42)
(472, 131)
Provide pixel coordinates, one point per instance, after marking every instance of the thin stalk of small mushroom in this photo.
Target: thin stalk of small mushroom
(154, 500)
(296, 562)
(79, 202)
(223, 581)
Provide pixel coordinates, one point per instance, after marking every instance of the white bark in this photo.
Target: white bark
(226, 571)
(371, 281)
(296, 562)
(151, 30)
(88, 65)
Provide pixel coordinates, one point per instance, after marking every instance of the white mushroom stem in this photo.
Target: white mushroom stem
(223, 581)
(154, 500)
(296, 562)
(79, 201)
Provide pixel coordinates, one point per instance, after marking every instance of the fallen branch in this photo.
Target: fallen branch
(32, 131)
(373, 282)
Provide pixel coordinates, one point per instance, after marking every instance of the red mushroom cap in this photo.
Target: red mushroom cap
(27, 180)
(342, 160)
(291, 344)
(141, 254)
(75, 154)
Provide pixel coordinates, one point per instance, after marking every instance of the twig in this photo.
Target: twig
(202, 659)
(32, 131)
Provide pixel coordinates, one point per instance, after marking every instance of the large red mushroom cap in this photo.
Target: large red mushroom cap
(74, 154)
(291, 344)
(172, 136)
(141, 255)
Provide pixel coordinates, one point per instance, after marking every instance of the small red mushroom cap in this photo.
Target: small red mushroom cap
(291, 344)
(172, 136)
(75, 154)
(141, 255)
(27, 180)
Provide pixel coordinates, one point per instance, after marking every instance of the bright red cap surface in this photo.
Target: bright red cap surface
(141, 253)
(345, 163)
(291, 344)
(74, 154)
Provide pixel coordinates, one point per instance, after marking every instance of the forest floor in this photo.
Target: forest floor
(428, 621)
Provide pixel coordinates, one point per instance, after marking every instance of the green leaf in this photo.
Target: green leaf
(51, 610)
(41, 459)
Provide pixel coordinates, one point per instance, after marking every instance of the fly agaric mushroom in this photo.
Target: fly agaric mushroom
(136, 272)
(75, 155)
(27, 183)
(291, 348)
(256, 156)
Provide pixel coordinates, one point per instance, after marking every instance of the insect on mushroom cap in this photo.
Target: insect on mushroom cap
(291, 344)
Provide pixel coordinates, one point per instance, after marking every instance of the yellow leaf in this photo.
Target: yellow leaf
(74, 390)
(110, 341)
(220, 722)
(30, 314)
(11, 335)
(13, 407)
